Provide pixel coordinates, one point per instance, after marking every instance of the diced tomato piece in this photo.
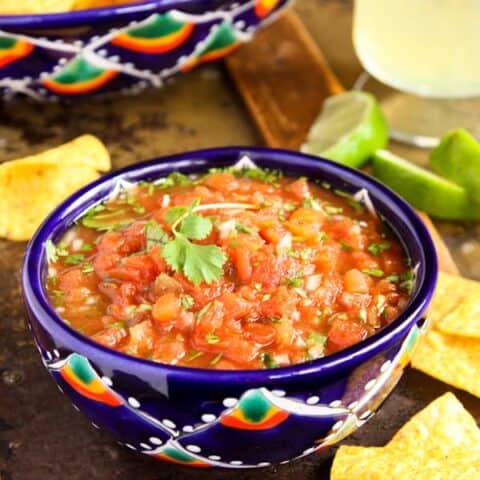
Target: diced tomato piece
(223, 181)
(344, 333)
(272, 234)
(305, 222)
(300, 188)
(280, 304)
(238, 350)
(169, 351)
(166, 308)
(242, 261)
(356, 282)
(157, 258)
(260, 333)
(111, 337)
(142, 338)
(235, 306)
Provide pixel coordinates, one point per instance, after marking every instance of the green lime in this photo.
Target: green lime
(425, 190)
(349, 129)
(457, 158)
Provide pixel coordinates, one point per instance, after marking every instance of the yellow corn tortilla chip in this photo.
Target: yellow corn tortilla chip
(457, 306)
(442, 442)
(32, 187)
(85, 150)
(452, 359)
(447, 296)
(441, 426)
(373, 463)
(31, 192)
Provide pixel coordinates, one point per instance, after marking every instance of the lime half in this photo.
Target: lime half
(425, 190)
(349, 129)
(457, 158)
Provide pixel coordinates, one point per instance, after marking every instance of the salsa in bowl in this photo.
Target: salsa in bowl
(305, 306)
(236, 268)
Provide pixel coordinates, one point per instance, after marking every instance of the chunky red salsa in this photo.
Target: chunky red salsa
(231, 270)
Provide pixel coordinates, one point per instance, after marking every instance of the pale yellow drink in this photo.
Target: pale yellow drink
(427, 47)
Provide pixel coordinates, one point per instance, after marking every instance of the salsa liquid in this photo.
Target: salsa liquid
(231, 270)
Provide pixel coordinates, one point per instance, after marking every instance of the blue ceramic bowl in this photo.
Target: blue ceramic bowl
(124, 48)
(236, 419)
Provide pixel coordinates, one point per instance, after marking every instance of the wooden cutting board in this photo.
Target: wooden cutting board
(284, 79)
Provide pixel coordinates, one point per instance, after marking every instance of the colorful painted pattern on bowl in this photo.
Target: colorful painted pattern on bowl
(204, 437)
(114, 56)
(234, 419)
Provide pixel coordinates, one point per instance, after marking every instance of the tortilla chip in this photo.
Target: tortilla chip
(447, 297)
(32, 187)
(441, 426)
(463, 299)
(373, 463)
(452, 359)
(85, 150)
(439, 443)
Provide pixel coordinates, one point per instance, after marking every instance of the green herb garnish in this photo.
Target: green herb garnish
(193, 356)
(267, 360)
(216, 359)
(155, 234)
(296, 281)
(316, 339)
(75, 259)
(289, 206)
(240, 228)
(86, 247)
(393, 278)
(201, 313)
(345, 246)
(176, 179)
(117, 324)
(408, 280)
(199, 263)
(303, 254)
(331, 210)
(104, 220)
(87, 268)
(377, 248)
(373, 272)
(211, 338)
(186, 301)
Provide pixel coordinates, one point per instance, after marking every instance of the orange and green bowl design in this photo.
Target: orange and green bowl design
(87, 53)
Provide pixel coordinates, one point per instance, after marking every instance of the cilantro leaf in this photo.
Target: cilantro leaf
(176, 179)
(203, 263)
(377, 248)
(268, 361)
(174, 213)
(240, 228)
(199, 263)
(347, 247)
(196, 227)
(75, 259)
(373, 272)
(408, 281)
(155, 234)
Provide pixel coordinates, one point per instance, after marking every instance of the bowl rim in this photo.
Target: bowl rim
(198, 160)
(90, 16)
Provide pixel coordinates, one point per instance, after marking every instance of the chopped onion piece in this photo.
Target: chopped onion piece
(285, 242)
(313, 282)
(165, 201)
(226, 228)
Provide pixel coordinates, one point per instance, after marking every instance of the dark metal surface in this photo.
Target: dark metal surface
(41, 435)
